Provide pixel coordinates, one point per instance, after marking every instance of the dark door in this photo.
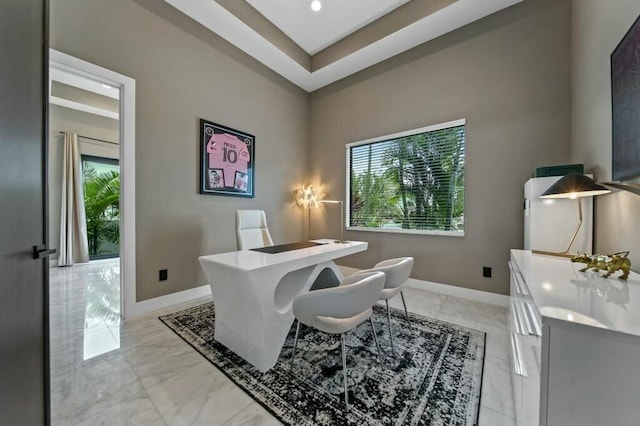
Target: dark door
(23, 280)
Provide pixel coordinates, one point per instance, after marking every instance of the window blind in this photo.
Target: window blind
(410, 182)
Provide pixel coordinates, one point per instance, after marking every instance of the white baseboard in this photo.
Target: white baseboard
(449, 290)
(161, 302)
(150, 305)
(461, 292)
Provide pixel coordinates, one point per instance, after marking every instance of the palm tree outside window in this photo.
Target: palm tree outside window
(101, 178)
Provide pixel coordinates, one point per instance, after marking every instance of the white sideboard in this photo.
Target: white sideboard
(574, 344)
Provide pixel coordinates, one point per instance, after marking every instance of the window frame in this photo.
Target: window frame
(347, 210)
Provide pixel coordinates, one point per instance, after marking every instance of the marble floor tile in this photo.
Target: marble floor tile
(497, 344)
(419, 301)
(157, 361)
(136, 412)
(489, 417)
(253, 415)
(97, 385)
(496, 386)
(481, 313)
(200, 395)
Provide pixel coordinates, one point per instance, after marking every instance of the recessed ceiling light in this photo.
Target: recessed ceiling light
(316, 5)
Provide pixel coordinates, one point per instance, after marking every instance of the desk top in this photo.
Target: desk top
(250, 260)
(286, 247)
(561, 292)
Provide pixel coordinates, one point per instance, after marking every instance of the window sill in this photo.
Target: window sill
(455, 234)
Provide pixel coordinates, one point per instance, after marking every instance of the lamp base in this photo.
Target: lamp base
(554, 253)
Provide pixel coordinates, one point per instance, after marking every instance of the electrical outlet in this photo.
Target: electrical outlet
(486, 271)
(163, 275)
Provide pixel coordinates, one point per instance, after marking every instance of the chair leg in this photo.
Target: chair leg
(375, 338)
(344, 370)
(295, 343)
(405, 307)
(390, 330)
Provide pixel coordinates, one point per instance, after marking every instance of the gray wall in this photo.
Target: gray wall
(184, 73)
(597, 27)
(65, 119)
(509, 76)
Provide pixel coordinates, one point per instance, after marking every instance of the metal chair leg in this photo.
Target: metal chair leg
(344, 371)
(405, 307)
(390, 330)
(375, 338)
(295, 343)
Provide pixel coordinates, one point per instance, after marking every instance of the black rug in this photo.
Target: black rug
(435, 377)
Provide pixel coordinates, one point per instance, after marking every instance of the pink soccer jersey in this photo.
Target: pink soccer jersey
(229, 153)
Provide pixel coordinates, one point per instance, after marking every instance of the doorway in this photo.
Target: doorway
(107, 100)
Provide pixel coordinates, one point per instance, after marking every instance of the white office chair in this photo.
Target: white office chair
(337, 310)
(397, 272)
(251, 229)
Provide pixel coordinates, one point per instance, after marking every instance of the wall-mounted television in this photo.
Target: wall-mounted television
(625, 105)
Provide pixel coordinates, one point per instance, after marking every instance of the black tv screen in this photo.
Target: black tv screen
(625, 97)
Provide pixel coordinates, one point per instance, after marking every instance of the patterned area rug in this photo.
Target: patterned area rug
(435, 377)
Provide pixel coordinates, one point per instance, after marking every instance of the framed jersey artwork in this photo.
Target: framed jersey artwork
(227, 161)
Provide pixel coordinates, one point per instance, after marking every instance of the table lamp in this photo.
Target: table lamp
(341, 241)
(574, 186)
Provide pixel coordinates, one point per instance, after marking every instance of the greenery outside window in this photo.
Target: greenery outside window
(101, 177)
(411, 182)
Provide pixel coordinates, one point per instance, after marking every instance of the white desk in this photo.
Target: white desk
(253, 294)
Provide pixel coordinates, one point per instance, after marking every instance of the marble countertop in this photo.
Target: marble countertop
(561, 292)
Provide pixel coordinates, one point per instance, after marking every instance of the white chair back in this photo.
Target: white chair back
(355, 295)
(251, 229)
(396, 270)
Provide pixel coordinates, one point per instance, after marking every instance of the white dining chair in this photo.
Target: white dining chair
(397, 272)
(338, 310)
(251, 229)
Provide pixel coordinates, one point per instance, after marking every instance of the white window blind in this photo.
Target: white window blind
(412, 181)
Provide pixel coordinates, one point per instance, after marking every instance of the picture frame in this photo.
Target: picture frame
(625, 106)
(227, 161)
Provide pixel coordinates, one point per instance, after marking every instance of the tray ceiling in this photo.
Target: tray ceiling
(314, 49)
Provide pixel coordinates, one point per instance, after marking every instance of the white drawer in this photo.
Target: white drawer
(525, 318)
(519, 286)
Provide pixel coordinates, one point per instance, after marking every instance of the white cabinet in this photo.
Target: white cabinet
(550, 223)
(574, 344)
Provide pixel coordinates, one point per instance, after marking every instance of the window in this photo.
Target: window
(408, 182)
(101, 178)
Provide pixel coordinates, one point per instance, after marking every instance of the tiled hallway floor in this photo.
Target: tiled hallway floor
(138, 372)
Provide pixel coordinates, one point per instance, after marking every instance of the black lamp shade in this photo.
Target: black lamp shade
(574, 185)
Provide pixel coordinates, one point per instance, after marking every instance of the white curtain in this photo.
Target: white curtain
(74, 247)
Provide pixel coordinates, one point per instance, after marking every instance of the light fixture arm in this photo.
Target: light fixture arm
(578, 226)
(341, 222)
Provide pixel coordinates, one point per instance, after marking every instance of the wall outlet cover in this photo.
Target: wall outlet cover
(486, 271)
